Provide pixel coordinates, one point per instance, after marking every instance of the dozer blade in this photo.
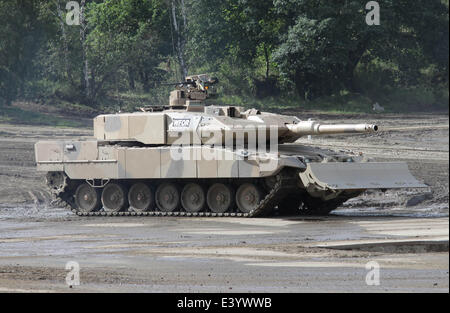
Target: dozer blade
(370, 175)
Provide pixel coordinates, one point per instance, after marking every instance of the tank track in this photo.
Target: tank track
(286, 182)
(303, 204)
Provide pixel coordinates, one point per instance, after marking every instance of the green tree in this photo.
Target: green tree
(126, 36)
(23, 33)
(231, 36)
(326, 40)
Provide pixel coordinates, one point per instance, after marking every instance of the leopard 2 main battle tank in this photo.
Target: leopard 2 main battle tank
(194, 159)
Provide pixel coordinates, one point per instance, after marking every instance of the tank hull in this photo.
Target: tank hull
(297, 179)
(94, 160)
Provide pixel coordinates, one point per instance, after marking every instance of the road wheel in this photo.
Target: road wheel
(141, 197)
(248, 196)
(114, 197)
(167, 197)
(193, 198)
(87, 198)
(220, 198)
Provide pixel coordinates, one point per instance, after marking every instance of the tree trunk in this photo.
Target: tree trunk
(93, 85)
(131, 78)
(144, 79)
(354, 58)
(181, 41)
(65, 43)
(266, 56)
(83, 27)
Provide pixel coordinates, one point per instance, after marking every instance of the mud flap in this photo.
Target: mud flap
(347, 176)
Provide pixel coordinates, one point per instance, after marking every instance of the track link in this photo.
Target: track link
(285, 182)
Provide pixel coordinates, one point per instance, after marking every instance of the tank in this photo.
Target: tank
(194, 158)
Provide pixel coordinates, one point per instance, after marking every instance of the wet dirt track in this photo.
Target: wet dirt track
(410, 242)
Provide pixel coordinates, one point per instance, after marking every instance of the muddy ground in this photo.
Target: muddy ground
(406, 230)
(420, 140)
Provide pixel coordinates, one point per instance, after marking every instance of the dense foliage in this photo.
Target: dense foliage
(260, 49)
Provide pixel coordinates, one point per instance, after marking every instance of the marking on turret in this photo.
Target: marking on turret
(181, 122)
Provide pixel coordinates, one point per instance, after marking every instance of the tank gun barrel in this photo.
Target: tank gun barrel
(315, 128)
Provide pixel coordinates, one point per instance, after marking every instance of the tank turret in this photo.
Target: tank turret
(211, 125)
(187, 120)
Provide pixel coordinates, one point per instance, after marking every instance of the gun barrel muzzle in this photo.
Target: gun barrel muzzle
(314, 128)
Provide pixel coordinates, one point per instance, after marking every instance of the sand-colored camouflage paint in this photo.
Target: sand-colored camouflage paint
(216, 142)
(87, 160)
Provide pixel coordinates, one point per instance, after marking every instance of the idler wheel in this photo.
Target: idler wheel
(220, 198)
(193, 198)
(87, 198)
(141, 197)
(248, 197)
(114, 197)
(167, 197)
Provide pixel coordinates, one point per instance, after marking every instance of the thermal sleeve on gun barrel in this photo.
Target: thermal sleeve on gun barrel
(314, 128)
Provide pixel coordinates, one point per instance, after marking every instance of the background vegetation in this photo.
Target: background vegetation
(313, 54)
